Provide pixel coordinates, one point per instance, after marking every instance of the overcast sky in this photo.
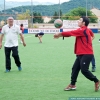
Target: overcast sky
(53, 1)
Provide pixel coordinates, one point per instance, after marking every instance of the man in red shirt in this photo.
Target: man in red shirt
(84, 53)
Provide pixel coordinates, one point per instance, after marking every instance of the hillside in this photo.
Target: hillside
(48, 10)
(11, 4)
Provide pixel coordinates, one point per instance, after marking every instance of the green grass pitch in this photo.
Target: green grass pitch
(46, 71)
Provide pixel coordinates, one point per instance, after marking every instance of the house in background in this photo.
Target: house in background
(96, 12)
(46, 19)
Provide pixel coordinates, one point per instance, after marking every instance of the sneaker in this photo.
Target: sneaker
(19, 68)
(70, 87)
(6, 71)
(97, 86)
(93, 69)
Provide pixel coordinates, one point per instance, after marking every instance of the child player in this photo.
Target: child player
(39, 35)
(83, 51)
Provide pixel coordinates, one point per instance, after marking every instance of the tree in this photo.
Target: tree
(48, 10)
(23, 16)
(40, 20)
(77, 12)
(55, 16)
(37, 18)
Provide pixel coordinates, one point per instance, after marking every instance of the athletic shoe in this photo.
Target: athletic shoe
(6, 71)
(70, 87)
(97, 86)
(93, 69)
(19, 68)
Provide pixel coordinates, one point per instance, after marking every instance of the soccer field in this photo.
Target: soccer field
(46, 71)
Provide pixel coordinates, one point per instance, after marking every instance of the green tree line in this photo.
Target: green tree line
(48, 10)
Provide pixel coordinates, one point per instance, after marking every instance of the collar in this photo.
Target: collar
(84, 27)
(11, 26)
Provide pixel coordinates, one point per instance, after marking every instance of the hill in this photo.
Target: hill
(11, 4)
(48, 10)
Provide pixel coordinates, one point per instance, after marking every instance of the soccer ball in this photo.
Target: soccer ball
(58, 23)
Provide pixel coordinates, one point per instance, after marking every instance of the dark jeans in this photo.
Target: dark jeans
(82, 63)
(14, 55)
(93, 62)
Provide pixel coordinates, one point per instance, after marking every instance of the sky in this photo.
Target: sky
(53, 1)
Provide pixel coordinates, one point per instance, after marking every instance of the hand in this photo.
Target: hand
(0, 46)
(56, 36)
(24, 44)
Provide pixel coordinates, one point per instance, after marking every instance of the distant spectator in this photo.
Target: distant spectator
(22, 30)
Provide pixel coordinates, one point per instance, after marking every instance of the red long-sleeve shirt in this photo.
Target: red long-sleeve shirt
(83, 43)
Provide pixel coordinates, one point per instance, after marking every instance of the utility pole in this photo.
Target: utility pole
(59, 9)
(86, 8)
(4, 9)
(32, 12)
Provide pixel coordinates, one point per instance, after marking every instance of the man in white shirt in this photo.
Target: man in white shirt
(11, 32)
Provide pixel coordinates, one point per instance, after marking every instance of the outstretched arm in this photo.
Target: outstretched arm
(77, 32)
(57, 35)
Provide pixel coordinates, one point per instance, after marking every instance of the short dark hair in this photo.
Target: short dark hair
(21, 25)
(86, 20)
(36, 35)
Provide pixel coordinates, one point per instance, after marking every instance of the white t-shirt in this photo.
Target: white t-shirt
(11, 35)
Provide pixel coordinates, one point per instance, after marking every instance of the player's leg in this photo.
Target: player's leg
(74, 74)
(85, 62)
(40, 39)
(7, 58)
(16, 57)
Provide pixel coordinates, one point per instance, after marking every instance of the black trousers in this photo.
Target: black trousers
(82, 63)
(14, 55)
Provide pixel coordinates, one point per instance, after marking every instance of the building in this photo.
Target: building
(46, 19)
(96, 12)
